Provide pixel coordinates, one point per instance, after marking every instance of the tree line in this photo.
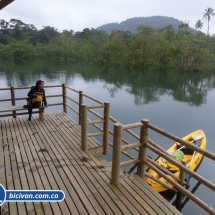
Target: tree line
(150, 48)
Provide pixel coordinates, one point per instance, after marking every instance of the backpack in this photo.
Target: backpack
(39, 96)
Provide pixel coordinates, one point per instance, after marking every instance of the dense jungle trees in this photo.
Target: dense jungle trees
(150, 48)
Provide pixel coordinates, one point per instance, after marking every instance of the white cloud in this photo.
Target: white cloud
(77, 15)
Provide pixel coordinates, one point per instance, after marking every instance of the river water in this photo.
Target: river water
(176, 102)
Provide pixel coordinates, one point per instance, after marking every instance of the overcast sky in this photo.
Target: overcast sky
(80, 14)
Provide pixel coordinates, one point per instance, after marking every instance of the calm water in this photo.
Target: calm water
(177, 103)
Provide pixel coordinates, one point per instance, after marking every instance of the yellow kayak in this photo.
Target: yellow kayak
(180, 152)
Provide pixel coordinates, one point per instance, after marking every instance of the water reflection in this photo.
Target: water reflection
(145, 86)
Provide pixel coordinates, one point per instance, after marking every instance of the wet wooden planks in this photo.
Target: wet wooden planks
(47, 155)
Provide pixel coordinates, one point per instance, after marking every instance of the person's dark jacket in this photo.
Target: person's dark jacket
(35, 94)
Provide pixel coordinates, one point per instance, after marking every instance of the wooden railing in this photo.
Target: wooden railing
(85, 122)
(81, 112)
(143, 143)
(13, 99)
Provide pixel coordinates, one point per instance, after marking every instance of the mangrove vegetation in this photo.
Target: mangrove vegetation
(150, 48)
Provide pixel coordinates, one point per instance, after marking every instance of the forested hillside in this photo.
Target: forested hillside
(151, 48)
(132, 24)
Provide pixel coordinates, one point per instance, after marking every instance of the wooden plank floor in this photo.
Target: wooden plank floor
(47, 155)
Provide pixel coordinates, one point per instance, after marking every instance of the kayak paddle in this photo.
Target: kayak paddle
(199, 137)
(187, 175)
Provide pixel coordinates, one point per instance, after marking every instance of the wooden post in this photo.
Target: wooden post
(142, 148)
(116, 155)
(64, 98)
(13, 101)
(41, 114)
(80, 103)
(106, 127)
(84, 127)
(179, 194)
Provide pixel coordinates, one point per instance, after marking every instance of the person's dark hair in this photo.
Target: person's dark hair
(39, 82)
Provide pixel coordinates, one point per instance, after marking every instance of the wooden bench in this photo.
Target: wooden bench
(19, 108)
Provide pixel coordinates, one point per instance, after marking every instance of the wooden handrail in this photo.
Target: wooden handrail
(95, 100)
(95, 122)
(125, 141)
(5, 100)
(95, 106)
(95, 134)
(18, 114)
(5, 88)
(123, 152)
(28, 87)
(130, 146)
(127, 130)
(127, 163)
(24, 98)
(57, 95)
(72, 100)
(54, 104)
(96, 114)
(113, 120)
(73, 109)
(51, 86)
(72, 89)
(134, 125)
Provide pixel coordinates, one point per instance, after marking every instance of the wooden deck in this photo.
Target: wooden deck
(47, 155)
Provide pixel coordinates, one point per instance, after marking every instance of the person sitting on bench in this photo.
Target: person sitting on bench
(35, 96)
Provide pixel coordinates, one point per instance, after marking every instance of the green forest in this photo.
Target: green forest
(150, 48)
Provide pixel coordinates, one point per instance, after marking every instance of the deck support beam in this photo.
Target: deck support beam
(80, 103)
(84, 127)
(13, 101)
(106, 127)
(142, 148)
(179, 194)
(116, 156)
(64, 98)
